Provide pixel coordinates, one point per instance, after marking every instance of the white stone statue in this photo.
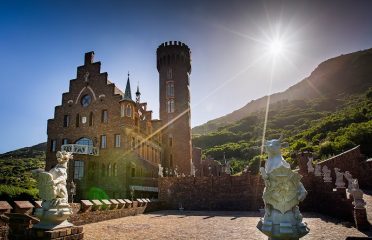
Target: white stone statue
(310, 167)
(282, 194)
(326, 174)
(160, 173)
(53, 191)
(358, 202)
(339, 178)
(318, 171)
(176, 172)
(349, 179)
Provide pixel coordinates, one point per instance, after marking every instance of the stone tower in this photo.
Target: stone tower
(174, 67)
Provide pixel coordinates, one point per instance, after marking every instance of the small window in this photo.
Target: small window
(170, 73)
(109, 170)
(77, 120)
(128, 110)
(78, 169)
(170, 141)
(91, 119)
(122, 110)
(53, 145)
(170, 105)
(117, 140)
(170, 89)
(104, 117)
(103, 141)
(64, 141)
(66, 120)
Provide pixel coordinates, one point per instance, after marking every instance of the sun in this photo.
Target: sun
(276, 47)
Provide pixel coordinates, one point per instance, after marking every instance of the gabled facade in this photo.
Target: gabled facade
(110, 135)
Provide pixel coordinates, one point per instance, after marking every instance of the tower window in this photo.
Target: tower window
(78, 169)
(170, 89)
(104, 117)
(170, 141)
(66, 120)
(128, 111)
(170, 105)
(103, 141)
(169, 72)
(53, 145)
(122, 110)
(117, 140)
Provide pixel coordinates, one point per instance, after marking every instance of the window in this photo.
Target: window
(109, 170)
(84, 141)
(117, 140)
(64, 141)
(122, 110)
(103, 141)
(133, 172)
(53, 145)
(170, 89)
(170, 141)
(78, 169)
(128, 110)
(170, 73)
(170, 105)
(104, 117)
(77, 120)
(91, 119)
(86, 100)
(115, 170)
(66, 120)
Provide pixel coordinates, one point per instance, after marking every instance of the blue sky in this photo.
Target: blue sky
(42, 43)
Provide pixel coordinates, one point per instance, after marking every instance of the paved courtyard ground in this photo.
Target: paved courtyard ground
(208, 225)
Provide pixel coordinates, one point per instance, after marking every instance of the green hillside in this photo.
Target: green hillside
(347, 74)
(326, 126)
(15, 172)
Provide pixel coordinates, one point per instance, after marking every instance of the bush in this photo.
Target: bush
(11, 193)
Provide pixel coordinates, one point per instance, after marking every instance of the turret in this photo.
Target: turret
(174, 67)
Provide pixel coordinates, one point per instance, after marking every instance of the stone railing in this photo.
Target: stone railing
(80, 149)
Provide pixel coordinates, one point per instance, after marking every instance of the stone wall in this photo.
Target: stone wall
(212, 193)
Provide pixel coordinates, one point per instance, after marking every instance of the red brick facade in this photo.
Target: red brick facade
(174, 66)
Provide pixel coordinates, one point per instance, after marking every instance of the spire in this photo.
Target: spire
(128, 93)
(138, 94)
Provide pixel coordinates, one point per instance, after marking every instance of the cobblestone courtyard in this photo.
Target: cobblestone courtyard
(208, 225)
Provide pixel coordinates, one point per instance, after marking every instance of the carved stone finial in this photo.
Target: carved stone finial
(326, 174)
(339, 178)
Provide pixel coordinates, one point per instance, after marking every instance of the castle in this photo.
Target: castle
(116, 143)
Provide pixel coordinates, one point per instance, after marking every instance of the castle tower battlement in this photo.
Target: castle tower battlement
(174, 67)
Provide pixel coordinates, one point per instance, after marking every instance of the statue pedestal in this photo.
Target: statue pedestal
(53, 218)
(341, 191)
(75, 232)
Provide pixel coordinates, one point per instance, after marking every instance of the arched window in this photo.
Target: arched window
(170, 89)
(84, 141)
(103, 170)
(128, 111)
(115, 170)
(170, 105)
(109, 170)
